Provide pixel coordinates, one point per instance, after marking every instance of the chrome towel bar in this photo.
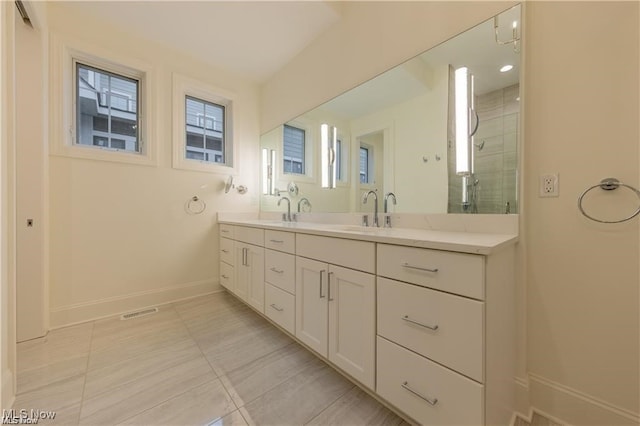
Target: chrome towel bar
(608, 184)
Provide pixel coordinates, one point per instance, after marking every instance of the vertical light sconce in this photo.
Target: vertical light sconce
(265, 171)
(268, 164)
(329, 136)
(463, 145)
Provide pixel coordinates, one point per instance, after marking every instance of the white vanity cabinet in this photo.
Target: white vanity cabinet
(280, 278)
(445, 324)
(430, 330)
(227, 257)
(335, 306)
(242, 263)
(249, 274)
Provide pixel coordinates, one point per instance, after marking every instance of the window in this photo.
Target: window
(100, 110)
(364, 165)
(202, 127)
(106, 109)
(205, 133)
(294, 140)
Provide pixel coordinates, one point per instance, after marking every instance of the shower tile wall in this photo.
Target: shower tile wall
(496, 161)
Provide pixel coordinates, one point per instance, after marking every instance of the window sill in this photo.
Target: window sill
(104, 154)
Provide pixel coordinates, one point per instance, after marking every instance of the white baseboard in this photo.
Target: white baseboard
(570, 406)
(82, 312)
(522, 395)
(8, 394)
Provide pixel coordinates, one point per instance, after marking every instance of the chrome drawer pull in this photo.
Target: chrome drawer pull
(433, 401)
(225, 277)
(321, 273)
(406, 265)
(277, 241)
(273, 305)
(225, 251)
(277, 271)
(224, 231)
(430, 327)
(329, 285)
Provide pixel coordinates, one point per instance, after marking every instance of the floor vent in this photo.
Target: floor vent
(138, 314)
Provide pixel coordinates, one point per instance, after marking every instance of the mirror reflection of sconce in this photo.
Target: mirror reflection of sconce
(329, 136)
(268, 166)
(515, 38)
(462, 108)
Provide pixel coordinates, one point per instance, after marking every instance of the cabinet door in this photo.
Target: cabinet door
(352, 331)
(255, 277)
(311, 304)
(241, 271)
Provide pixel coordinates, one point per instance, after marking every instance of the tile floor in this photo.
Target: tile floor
(209, 360)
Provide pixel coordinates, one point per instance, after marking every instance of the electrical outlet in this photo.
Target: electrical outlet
(549, 185)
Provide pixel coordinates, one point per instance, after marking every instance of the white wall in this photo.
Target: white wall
(581, 120)
(120, 237)
(578, 282)
(31, 168)
(7, 204)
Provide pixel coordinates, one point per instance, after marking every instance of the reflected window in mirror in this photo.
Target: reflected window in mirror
(294, 147)
(366, 164)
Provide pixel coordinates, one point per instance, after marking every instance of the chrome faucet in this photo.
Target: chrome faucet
(375, 207)
(387, 219)
(302, 201)
(286, 216)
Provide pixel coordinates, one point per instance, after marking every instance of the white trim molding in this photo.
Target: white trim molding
(82, 312)
(522, 396)
(574, 406)
(8, 395)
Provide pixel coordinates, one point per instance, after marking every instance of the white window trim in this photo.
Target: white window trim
(64, 55)
(311, 132)
(182, 87)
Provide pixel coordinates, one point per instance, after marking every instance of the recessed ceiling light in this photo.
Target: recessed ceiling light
(506, 68)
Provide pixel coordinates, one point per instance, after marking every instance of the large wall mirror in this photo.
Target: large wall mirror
(440, 131)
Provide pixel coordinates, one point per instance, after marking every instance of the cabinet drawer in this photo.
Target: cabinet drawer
(282, 241)
(280, 270)
(226, 230)
(407, 315)
(279, 306)
(248, 235)
(353, 254)
(454, 399)
(226, 276)
(451, 272)
(226, 250)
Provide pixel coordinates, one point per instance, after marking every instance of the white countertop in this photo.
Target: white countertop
(465, 242)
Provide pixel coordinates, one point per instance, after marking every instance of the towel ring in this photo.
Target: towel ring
(195, 205)
(608, 184)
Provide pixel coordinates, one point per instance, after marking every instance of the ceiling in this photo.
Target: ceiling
(252, 38)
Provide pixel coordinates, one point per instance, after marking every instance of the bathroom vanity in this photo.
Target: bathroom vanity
(423, 320)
